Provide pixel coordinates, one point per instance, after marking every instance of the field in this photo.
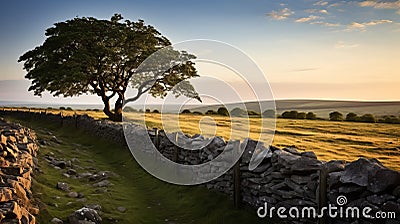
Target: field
(329, 140)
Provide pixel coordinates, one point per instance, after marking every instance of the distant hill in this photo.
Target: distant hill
(321, 107)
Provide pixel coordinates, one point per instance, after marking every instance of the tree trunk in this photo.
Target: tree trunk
(117, 114)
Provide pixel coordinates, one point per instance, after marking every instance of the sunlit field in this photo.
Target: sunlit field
(329, 140)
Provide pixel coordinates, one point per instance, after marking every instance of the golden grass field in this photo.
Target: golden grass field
(329, 140)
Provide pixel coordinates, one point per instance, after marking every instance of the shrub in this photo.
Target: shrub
(336, 116)
(368, 118)
(311, 116)
(351, 117)
(252, 113)
(238, 112)
(211, 112)
(69, 108)
(186, 111)
(49, 108)
(129, 109)
(269, 114)
(390, 119)
(301, 115)
(198, 113)
(148, 111)
(223, 111)
(62, 108)
(290, 114)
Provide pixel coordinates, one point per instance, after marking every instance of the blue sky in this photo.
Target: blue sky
(306, 48)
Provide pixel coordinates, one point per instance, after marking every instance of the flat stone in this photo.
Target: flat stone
(62, 186)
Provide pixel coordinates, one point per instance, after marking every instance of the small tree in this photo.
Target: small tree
(185, 111)
(223, 111)
(238, 112)
(311, 116)
(211, 112)
(368, 118)
(269, 114)
(156, 111)
(290, 114)
(301, 115)
(351, 117)
(336, 116)
(253, 113)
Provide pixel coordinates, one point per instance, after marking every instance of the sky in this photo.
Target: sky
(307, 49)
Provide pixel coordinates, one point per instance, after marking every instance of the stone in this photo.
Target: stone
(56, 221)
(121, 209)
(396, 191)
(62, 186)
(73, 194)
(96, 207)
(309, 154)
(335, 166)
(103, 183)
(85, 214)
(379, 200)
(384, 179)
(6, 194)
(358, 172)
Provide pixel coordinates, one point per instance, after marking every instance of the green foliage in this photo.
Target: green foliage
(49, 108)
(223, 111)
(238, 112)
(129, 109)
(186, 111)
(290, 114)
(87, 55)
(148, 111)
(269, 114)
(336, 116)
(198, 113)
(301, 115)
(351, 117)
(69, 108)
(156, 111)
(252, 113)
(62, 108)
(211, 112)
(369, 118)
(390, 119)
(311, 116)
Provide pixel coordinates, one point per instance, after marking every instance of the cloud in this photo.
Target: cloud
(398, 12)
(342, 44)
(381, 4)
(322, 11)
(363, 26)
(325, 24)
(321, 3)
(280, 15)
(334, 5)
(307, 19)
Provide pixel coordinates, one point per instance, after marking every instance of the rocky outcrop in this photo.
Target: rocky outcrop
(17, 160)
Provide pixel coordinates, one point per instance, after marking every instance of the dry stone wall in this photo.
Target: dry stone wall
(17, 161)
(285, 178)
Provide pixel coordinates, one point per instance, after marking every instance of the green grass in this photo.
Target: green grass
(147, 199)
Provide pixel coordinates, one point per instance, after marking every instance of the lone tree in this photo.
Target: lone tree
(87, 55)
(223, 111)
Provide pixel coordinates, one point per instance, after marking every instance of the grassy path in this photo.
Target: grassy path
(146, 199)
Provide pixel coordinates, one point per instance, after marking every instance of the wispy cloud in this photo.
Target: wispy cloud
(322, 11)
(321, 3)
(342, 44)
(381, 4)
(307, 19)
(303, 69)
(281, 14)
(363, 26)
(327, 24)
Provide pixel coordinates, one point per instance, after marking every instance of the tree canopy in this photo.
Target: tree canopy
(88, 55)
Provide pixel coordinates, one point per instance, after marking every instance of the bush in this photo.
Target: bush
(211, 112)
(223, 111)
(49, 108)
(69, 108)
(301, 115)
(97, 110)
(351, 117)
(197, 113)
(390, 119)
(269, 114)
(148, 111)
(186, 111)
(336, 116)
(311, 116)
(252, 113)
(368, 118)
(156, 111)
(290, 114)
(238, 112)
(129, 109)
(62, 108)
